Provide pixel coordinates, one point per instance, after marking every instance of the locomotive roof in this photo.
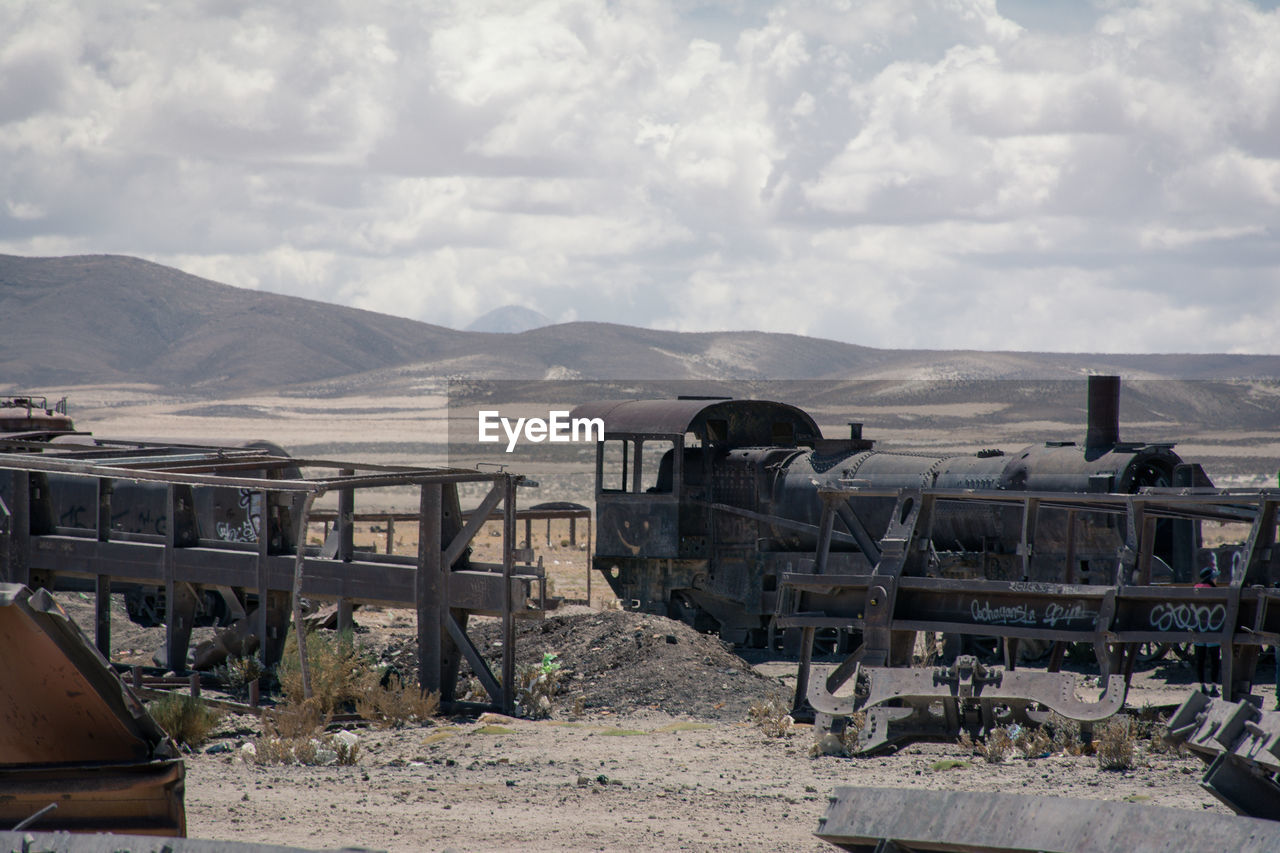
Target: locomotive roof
(744, 422)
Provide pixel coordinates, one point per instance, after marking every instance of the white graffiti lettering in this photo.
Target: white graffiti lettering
(1202, 618)
(1017, 614)
(245, 531)
(1055, 613)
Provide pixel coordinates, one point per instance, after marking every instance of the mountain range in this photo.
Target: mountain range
(107, 319)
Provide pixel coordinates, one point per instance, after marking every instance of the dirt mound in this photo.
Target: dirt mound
(623, 662)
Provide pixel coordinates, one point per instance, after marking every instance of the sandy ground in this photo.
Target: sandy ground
(643, 781)
(650, 763)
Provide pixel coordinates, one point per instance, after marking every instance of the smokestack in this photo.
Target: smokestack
(1104, 412)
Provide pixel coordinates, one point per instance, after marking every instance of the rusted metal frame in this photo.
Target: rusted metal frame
(19, 569)
(807, 632)
(971, 696)
(1072, 573)
(508, 697)
(431, 591)
(56, 466)
(476, 520)
(1227, 649)
(1262, 548)
(478, 664)
(866, 543)
(264, 583)
(1026, 545)
(393, 476)
(376, 579)
(180, 601)
(1031, 610)
(862, 819)
(346, 544)
(304, 665)
(637, 464)
(195, 463)
(1071, 607)
(102, 582)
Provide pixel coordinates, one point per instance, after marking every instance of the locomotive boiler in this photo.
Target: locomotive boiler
(702, 505)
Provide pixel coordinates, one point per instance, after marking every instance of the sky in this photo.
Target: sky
(1050, 175)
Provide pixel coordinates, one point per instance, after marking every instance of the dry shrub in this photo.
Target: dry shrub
(995, 746)
(337, 667)
(1033, 742)
(846, 742)
(773, 718)
(294, 734)
(188, 721)
(1115, 744)
(397, 704)
(1066, 735)
(238, 673)
(292, 720)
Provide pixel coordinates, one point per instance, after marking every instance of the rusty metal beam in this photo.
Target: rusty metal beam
(868, 820)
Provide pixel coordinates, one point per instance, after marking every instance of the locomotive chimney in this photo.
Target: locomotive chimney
(1104, 412)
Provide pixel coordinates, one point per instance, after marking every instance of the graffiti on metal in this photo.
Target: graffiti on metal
(247, 529)
(1016, 614)
(983, 612)
(1201, 618)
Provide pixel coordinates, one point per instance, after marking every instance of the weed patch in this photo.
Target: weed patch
(1115, 744)
(772, 718)
(188, 721)
(339, 670)
(396, 705)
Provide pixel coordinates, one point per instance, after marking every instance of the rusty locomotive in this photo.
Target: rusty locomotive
(704, 503)
(230, 515)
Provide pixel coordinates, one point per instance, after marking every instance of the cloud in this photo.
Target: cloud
(929, 174)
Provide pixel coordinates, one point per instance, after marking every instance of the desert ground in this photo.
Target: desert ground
(651, 742)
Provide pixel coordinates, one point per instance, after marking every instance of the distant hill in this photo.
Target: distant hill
(509, 319)
(102, 319)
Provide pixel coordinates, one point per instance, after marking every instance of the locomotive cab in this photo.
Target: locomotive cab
(655, 494)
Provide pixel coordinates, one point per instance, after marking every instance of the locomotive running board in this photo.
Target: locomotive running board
(938, 702)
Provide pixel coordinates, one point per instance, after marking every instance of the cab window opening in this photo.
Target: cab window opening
(615, 456)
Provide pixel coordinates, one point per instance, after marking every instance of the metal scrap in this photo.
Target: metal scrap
(1241, 744)
(72, 733)
(900, 820)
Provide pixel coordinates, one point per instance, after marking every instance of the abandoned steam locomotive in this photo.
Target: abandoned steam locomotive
(703, 504)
